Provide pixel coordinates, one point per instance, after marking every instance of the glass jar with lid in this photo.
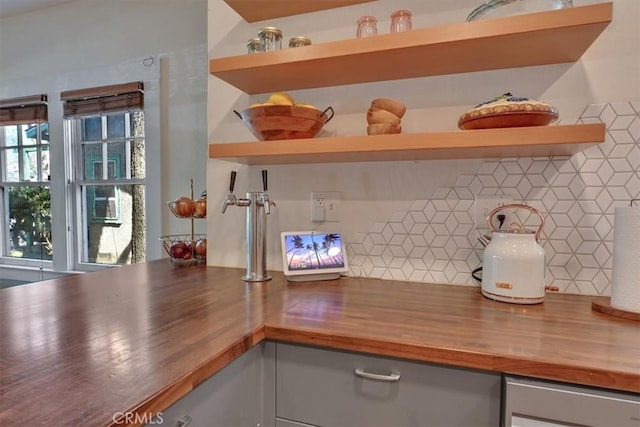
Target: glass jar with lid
(400, 21)
(367, 26)
(270, 39)
(253, 45)
(299, 41)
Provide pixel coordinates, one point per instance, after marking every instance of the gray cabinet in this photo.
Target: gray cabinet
(324, 387)
(536, 403)
(230, 398)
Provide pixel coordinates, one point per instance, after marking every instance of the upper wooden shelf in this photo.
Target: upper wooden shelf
(259, 10)
(550, 37)
(540, 141)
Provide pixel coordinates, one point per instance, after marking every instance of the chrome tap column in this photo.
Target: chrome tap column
(258, 206)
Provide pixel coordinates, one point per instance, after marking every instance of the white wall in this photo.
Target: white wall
(372, 192)
(46, 50)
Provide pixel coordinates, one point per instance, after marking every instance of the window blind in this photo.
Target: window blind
(24, 110)
(104, 99)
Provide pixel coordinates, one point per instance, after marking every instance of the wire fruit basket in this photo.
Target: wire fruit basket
(191, 248)
(193, 208)
(181, 248)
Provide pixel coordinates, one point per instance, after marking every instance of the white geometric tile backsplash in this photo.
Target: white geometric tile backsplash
(436, 241)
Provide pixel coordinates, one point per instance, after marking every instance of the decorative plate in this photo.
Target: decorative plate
(508, 111)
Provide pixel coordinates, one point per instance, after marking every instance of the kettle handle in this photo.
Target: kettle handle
(517, 206)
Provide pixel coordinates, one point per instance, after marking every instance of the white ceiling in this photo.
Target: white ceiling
(17, 7)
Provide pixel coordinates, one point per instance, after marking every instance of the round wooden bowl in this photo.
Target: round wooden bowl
(271, 122)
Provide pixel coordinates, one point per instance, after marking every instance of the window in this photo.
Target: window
(25, 198)
(104, 201)
(58, 210)
(104, 130)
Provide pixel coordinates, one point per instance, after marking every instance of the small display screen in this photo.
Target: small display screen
(316, 251)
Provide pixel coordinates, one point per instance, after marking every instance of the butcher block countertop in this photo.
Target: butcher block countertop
(77, 350)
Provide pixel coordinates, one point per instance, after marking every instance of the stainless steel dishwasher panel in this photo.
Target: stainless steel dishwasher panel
(534, 403)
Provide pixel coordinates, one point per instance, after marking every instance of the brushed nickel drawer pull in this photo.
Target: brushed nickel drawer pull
(392, 377)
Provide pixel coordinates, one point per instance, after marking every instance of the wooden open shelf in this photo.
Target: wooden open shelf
(540, 141)
(259, 10)
(542, 38)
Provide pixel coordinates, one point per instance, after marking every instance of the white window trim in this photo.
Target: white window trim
(78, 187)
(5, 259)
(63, 230)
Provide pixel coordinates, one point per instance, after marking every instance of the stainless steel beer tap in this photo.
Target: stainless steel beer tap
(258, 206)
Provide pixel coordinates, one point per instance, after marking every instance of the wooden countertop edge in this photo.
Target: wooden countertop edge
(447, 356)
(621, 381)
(514, 365)
(188, 382)
(603, 378)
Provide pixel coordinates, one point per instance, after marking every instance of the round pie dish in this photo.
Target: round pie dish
(508, 111)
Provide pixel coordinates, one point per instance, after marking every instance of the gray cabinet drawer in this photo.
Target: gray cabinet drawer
(230, 398)
(533, 402)
(319, 386)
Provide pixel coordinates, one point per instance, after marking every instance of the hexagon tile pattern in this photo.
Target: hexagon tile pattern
(436, 241)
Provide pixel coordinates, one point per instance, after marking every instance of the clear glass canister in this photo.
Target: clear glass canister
(253, 45)
(367, 26)
(500, 8)
(299, 41)
(270, 39)
(400, 21)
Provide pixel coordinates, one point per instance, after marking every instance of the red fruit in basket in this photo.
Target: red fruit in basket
(185, 206)
(200, 207)
(180, 250)
(201, 248)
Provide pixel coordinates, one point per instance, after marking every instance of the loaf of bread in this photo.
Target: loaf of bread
(382, 116)
(383, 129)
(392, 105)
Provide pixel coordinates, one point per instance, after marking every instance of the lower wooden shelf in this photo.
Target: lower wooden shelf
(542, 141)
(259, 10)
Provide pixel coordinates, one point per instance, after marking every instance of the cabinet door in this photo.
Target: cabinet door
(320, 387)
(537, 403)
(232, 397)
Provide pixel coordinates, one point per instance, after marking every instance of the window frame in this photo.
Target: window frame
(63, 232)
(93, 160)
(5, 185)
(81, 186)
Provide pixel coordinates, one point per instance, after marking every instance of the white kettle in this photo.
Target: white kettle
(513, 264)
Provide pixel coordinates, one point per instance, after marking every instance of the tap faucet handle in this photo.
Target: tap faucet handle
(267, 203)
(230, 200)
(264, 180)
(232, 181)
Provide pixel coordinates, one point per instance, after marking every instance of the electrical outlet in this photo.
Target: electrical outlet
(484, 204)
(325, 206)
